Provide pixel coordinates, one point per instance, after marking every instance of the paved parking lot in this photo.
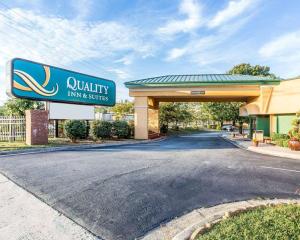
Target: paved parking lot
(123, 192)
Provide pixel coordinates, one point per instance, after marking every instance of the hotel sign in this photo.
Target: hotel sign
(32, 80)
(199, 92)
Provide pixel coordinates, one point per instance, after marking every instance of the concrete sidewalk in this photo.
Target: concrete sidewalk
(263, 148)
(23, 216)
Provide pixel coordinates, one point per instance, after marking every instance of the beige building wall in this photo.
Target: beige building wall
(280, 99)
(141, 117)
(153, 122)
(285, 97)
(273, 123)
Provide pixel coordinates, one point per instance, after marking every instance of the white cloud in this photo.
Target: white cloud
(234, 9)
(176, 53)
(283, 48)
(192, 9)
(126, 60)
(208, 49)
(283, 53)
(121, 74)
(63, 42)
(82, 8)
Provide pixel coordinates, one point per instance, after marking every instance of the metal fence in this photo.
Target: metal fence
(51, 129)
(12, 128)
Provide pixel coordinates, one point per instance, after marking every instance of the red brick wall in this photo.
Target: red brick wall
(36, 127)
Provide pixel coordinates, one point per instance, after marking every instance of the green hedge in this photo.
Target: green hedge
(101, 129)
(280, 139)
(277, 136)
(105, 130)
(75, 129)
(282, 142)
(121, 129)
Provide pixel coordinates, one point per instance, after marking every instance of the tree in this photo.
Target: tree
(217, 111)
(247, 69)
(167, 113)
(102, 109)
(123, 108)
(2, 110)
(174, 113)
(184, 114)
(222, 111)
(18, 106)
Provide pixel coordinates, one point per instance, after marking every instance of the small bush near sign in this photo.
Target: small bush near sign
(121, 129)
(75, 129)
(101, 129)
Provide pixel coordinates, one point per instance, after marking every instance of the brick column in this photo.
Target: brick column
(36, 127)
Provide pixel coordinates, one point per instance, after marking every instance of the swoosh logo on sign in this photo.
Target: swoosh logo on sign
(33, 85)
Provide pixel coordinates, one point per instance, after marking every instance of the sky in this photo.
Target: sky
(126, 40)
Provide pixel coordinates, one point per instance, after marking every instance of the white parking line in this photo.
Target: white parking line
(281, 169)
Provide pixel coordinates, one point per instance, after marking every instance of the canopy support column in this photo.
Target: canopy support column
(141, 117)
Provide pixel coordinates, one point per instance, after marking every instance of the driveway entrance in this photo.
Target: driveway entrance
(123, 192)
(255, 91)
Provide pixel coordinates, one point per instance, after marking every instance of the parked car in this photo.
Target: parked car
(228, 128)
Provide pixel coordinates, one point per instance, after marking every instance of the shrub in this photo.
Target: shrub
(164, 129)
(277, 136)
(279, 142)
(121, 129)
(131, 127)
(101, 129)
(286, 143)
(75, 129)
(282, 142)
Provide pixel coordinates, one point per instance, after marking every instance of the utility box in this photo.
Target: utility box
(258, 135)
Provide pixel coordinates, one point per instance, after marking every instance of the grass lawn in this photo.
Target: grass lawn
(7, 146)
(53, 142)
(276, 222)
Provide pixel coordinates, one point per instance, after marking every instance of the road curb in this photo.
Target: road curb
(262, 151)
(193, 231)
(78, 147)
(233, 142)
(188, 226)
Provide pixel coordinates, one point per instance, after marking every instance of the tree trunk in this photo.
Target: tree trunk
(241, 127)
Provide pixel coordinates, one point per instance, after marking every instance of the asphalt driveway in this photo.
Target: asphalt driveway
(123, 192)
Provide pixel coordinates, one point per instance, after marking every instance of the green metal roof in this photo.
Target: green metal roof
(201, 80)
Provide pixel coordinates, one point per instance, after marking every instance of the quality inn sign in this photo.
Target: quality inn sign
(32, 80)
